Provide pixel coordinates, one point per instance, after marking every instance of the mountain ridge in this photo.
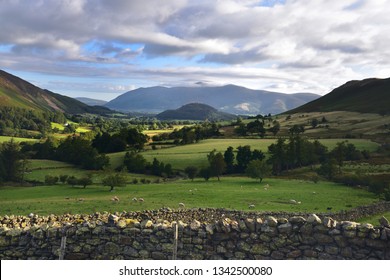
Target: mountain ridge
(229, 99)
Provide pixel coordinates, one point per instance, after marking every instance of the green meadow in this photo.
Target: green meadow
(230, 193)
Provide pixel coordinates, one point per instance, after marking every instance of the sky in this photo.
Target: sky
(101, 49)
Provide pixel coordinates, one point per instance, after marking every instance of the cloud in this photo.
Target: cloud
(290, 45)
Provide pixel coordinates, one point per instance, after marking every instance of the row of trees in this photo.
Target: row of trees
(118, 142)
(190, 134)
(136, 163)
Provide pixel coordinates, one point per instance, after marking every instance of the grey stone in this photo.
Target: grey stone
(384, 222)
(297, 220)
(314, 219)
(271, 221)
(285, 228)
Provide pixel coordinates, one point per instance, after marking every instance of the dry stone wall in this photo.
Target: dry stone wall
(239, 236)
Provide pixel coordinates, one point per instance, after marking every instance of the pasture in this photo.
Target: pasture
(16, 139)
(230, 193)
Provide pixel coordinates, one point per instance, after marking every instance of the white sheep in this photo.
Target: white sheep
(134, 199)
(293, 201)
(115, 199)
(141, 199)
(251, 206)
(265, 188)
(182, 205)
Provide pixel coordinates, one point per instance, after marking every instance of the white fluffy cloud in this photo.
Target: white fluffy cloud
(290, 45)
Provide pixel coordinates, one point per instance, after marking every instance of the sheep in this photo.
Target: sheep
(115, 199)
(293, 201)
(182, 205)
(265, 188)
(134, 199)
(251, 206)
(298, 202)
(314, 193)
(141, 199)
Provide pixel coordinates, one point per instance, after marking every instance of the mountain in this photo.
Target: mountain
(230, 99)
(15, 92)
(91, 101)
(195, 111)
(365, 96)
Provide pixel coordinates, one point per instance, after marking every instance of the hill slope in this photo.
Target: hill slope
(366, 96)
(16, 92)
(91, 101)
(195, 111)
(230, 99)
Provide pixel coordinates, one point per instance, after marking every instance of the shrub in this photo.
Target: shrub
(51, 180)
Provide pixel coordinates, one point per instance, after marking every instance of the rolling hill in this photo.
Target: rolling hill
(230, 99)
(16, 92)
(195, 111)
(365, 96)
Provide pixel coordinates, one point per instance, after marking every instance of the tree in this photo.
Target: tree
(244, 156)
(217, 163)
(256, 127)
(229, 157)
(114, 180)
(329, 169)
(63, 178)
(12, 161)
(135, 162)
(205, 173)
(257, 169)
(191, 172)
(314, 123)
(51, 180)
(275, 129)
(85, 181)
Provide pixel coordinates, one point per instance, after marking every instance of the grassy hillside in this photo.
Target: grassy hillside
(195, 111)
(338, 124)
(366, 96)
(16, 92)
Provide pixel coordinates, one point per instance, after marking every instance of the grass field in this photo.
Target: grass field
(374, 220)
(16, 139)
(231, 193)
(196, 154)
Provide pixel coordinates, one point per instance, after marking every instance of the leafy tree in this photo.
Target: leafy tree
(275, 129)
(296, 129)
(191, 172)
(85, 181)
(205, 173)
(229, 160)
(135, 162)
(256, 127)
(114, 180)
(51, 180)
(329, 169)
(12, 161)
(278, 155)
(217, 163)
(257, 169)
(72, 180)
(244, 156)
(314, 123)
(63, 178)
